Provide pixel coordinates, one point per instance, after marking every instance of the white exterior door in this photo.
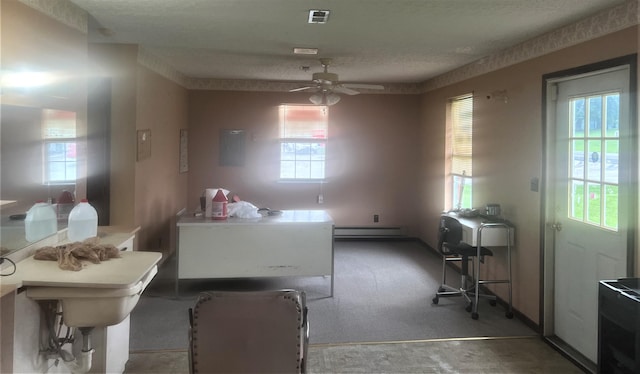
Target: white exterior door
(589, 185)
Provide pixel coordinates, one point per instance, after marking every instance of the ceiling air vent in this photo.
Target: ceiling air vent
(318, 16)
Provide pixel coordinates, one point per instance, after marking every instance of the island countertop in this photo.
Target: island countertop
(287, 216)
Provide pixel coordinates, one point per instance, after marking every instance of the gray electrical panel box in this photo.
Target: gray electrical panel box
(232, 147)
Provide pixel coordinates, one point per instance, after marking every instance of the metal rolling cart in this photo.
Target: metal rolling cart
(508, 232)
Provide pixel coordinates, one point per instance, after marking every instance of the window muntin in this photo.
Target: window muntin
(594, 141)
(59, 146)
(460, 152)
(303, 139)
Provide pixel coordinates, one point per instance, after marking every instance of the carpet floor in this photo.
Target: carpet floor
(382, 292)
(517, 355)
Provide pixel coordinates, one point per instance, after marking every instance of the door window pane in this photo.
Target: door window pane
(611, 161)
(577, 200)
(594, 163)
(611, 207)
(594, 160)
(594, 202)
(577, 152)
(577, 116)
(595, 116)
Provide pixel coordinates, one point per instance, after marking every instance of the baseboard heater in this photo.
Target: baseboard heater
(369, 232)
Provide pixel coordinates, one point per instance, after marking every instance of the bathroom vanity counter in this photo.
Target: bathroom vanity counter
(29, 270)
(123, 272)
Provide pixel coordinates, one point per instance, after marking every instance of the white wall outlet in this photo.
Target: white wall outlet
(320, 199)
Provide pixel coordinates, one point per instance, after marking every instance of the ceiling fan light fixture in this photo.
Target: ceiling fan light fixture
(332, 98)
(316, 98)
(322, 98)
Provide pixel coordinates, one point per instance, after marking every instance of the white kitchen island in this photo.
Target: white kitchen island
(295, 243)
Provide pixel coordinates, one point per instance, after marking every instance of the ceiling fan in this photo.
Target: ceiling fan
(327, 86)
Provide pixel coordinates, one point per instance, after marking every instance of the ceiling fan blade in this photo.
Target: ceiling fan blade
(345, 90)
(364, 86)
(302, 88)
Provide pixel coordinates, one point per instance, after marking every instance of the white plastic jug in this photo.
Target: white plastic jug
(219, 206)
(41, 221)
(83, 222)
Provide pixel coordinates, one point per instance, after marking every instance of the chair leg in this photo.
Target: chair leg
(444, 271)
(445, 290)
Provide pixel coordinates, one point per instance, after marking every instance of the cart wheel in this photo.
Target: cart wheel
(469, 307)
(509, 315)
(435, 300)
(492, 302)
(474, 315)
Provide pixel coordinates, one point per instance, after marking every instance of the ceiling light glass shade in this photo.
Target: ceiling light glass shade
(316, 98)
(324, 98)
(332, 99)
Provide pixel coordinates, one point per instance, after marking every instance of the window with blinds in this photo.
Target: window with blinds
(460, 152)
(59, 141)
(303, 140)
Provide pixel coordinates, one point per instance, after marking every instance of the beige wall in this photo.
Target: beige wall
(150, 191)
(507, 153)
(160, 189)
(372, 155)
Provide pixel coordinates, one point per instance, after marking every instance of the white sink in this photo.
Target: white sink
(98, 295)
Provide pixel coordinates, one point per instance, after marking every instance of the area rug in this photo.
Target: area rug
(477, 355)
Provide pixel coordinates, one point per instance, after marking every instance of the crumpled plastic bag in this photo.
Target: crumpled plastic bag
(243, 209)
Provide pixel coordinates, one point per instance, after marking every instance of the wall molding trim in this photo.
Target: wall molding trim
(62, 11)
(281, 86)
(609, 21)
(155, 64)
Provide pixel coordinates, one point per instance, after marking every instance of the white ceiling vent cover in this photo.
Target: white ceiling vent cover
(318, 16)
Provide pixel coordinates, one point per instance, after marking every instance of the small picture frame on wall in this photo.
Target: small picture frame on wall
(144, 144)
(184, 151)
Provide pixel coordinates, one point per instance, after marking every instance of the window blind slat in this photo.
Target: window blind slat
(303, 122)
(461, 121)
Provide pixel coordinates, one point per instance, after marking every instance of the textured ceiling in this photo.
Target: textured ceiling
(370, 41)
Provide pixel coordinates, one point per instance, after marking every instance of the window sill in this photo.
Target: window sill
(302, 181)
(62, 183)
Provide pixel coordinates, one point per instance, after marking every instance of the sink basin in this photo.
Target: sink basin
(98, 295)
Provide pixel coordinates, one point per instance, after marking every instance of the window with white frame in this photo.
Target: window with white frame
(59, 146)
(459, 153)
(303, 141)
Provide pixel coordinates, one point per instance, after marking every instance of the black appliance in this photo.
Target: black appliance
(619, 326)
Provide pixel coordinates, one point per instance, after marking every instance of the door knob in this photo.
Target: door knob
(555, 226)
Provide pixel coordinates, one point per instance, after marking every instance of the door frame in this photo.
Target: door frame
(547, 253)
